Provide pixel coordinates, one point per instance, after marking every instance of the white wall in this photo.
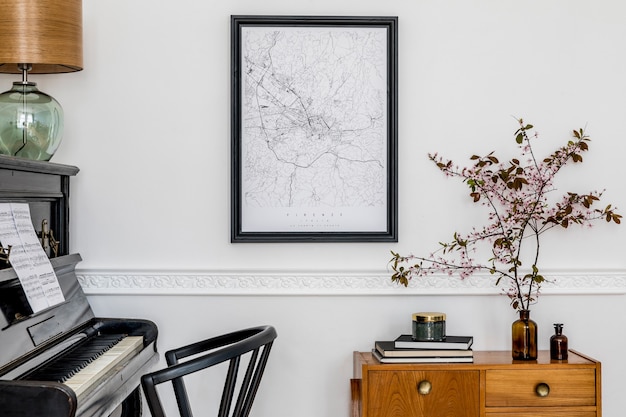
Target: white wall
(147, 121)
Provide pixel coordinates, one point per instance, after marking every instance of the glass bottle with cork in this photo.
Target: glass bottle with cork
(558, 343)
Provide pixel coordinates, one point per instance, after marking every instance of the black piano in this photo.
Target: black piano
(63, 361)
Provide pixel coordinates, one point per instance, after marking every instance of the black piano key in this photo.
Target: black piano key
(68, 364)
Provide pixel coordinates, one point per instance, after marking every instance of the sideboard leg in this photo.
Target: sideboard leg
(355, 405)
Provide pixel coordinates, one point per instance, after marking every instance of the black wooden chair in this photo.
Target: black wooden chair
(253, 345)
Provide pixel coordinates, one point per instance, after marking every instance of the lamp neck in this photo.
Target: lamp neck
(25, 68)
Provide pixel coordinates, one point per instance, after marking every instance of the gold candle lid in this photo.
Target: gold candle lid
(429, 316)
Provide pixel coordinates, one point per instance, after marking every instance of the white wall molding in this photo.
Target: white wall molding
(324, 283)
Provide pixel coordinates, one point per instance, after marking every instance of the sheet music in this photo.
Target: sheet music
(28, 258)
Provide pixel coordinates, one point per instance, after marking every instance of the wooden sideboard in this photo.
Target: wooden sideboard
(492, 386)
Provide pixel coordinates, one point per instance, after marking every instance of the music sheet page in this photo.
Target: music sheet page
(28, 258)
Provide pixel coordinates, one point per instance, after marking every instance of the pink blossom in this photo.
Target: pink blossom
(516, 196)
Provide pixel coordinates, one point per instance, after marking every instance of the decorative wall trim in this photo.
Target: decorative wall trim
(324, 283)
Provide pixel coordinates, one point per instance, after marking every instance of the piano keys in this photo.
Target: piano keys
(81, 381)
(88, 362)
(64, 361)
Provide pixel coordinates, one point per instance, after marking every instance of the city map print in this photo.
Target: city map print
(314, 128)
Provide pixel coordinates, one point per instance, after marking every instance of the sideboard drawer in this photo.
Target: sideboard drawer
(518, 388)
(395, 394)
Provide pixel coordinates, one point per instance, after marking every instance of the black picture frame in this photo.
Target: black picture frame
(314, 128)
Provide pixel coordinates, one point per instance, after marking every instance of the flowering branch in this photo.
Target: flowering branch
(517, 198)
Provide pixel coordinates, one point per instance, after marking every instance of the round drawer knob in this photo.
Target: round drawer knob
(542, 389)
(424, 387)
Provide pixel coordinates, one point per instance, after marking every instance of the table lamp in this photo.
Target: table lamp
(37, 37)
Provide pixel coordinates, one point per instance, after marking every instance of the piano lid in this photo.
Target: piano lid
(24, 334)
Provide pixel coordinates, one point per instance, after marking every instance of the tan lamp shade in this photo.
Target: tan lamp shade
(48, 34)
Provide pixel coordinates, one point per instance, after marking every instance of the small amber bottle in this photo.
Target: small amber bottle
(558, 343)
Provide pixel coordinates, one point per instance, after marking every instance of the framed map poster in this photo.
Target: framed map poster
(314, 128)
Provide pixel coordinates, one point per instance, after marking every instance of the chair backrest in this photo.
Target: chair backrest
(256, 341)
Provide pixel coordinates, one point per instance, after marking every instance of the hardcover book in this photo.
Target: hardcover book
(433, 359)
(387, 349)
(406, 341)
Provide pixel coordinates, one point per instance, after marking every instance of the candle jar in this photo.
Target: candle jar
(429, 327)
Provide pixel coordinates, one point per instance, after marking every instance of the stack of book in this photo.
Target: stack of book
(406, 350)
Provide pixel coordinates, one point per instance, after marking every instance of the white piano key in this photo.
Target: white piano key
(97, 369)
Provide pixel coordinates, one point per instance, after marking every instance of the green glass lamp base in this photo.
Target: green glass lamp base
(31, 123)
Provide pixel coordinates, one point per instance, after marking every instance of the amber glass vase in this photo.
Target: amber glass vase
(524, 337)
